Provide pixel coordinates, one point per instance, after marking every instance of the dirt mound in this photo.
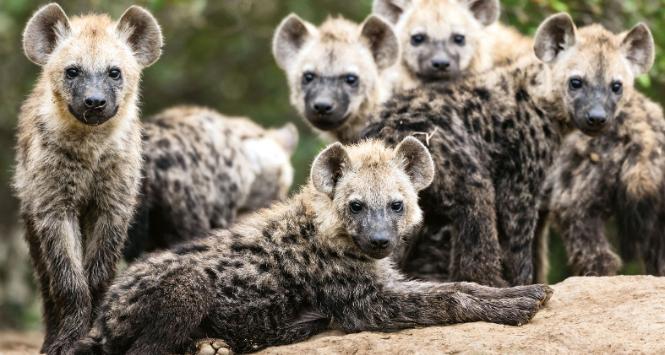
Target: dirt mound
(623, 314)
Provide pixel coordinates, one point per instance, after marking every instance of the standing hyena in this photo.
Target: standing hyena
(201, 169)
(313, 263)
(79, 156)
(334, 71)
(494, 138)
(442, 40)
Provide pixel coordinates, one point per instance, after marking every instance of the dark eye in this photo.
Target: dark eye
(114, 74)
(308, 77)
(576, 83)
(459, 39)
(355, 207)
(72, 73)
(418, 39)
(397, 206)
(351, 79)
(617, 87)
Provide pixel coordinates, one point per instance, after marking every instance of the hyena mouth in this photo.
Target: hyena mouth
(93, 117)
(327, 122)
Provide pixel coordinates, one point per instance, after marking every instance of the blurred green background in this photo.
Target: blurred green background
(218, 54)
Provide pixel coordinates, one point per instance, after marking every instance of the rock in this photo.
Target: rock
(622, 314)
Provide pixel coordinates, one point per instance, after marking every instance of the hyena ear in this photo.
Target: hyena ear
(485, 11)
(554, 36)
(328, 168)
(381, 41)
(43, 31)
(391, 10)
(286, 136)
(143, 34)
(638, 48)
(289, 38)
(417, 161)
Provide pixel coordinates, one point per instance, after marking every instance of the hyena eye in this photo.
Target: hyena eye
(575, 83)
(72, 73)
(308, 77)
(418, 39)
(459, 39)
(617, 87)
(355, 207)
(397, 206)
(351, 79)
(115, 74)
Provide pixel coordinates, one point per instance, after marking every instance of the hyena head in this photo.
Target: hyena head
(268, 152)
(91, 64)
(333, 71)
(440, 39)
(591, 69)
(373, 192)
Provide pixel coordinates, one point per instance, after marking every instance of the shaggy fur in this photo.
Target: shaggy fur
(302, 267)
(201, 169)
(339, 65)
(79, 156)
(493, 139)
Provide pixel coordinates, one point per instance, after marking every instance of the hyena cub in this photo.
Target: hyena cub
(494, 137)
(619, 174)
(201, 169)
(442, 40)
(334, 71)
(313, 263)
(79, 156)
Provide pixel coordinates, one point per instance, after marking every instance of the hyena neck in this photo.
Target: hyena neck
(351, 131)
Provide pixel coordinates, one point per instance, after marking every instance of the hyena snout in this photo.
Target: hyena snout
(93, 97)
(376, 237)
(327, 112)
(596, 117)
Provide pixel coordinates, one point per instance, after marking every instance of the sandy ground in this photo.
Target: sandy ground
(624, 314)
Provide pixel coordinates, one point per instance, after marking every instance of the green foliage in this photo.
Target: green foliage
(217, 54)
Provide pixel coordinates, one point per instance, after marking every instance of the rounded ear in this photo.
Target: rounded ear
(639, 49)
(142, 33)
(381, 40)
(44, 29)
(328, 168)
(286, 136)
(417, 161)
(289, 38)
(391, 10)
(485, 11)
(554, 36)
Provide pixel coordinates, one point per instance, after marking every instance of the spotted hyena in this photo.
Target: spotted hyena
(201, 169)
(79, 157)
(494, 137)
(315, 262)
(334, 71)
(443, 40)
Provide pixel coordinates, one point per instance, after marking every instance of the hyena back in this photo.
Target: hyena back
(201, 169)
(313, 263)
(334, 71)
(79, 155)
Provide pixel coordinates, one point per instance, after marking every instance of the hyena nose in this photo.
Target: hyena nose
(596, 117)
(440, 64)
(95, 102)
(380, 241)
(324, 107)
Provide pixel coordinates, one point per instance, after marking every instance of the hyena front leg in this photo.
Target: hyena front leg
(411, 304)
(60, 245)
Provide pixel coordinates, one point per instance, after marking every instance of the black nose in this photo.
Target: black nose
(596, 117)
(95, 102)
(380, 242)
(440, 64)
(323, 107)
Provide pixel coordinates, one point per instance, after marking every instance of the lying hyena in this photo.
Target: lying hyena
(79, 157)
(443, 40)
(619, 174)
(494, 137)
(334, 71)
(313, 263)
(201, 169)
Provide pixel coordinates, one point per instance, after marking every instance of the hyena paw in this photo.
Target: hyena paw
(606, 263)
(212, 347)
(541, 293)
(512, 311)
